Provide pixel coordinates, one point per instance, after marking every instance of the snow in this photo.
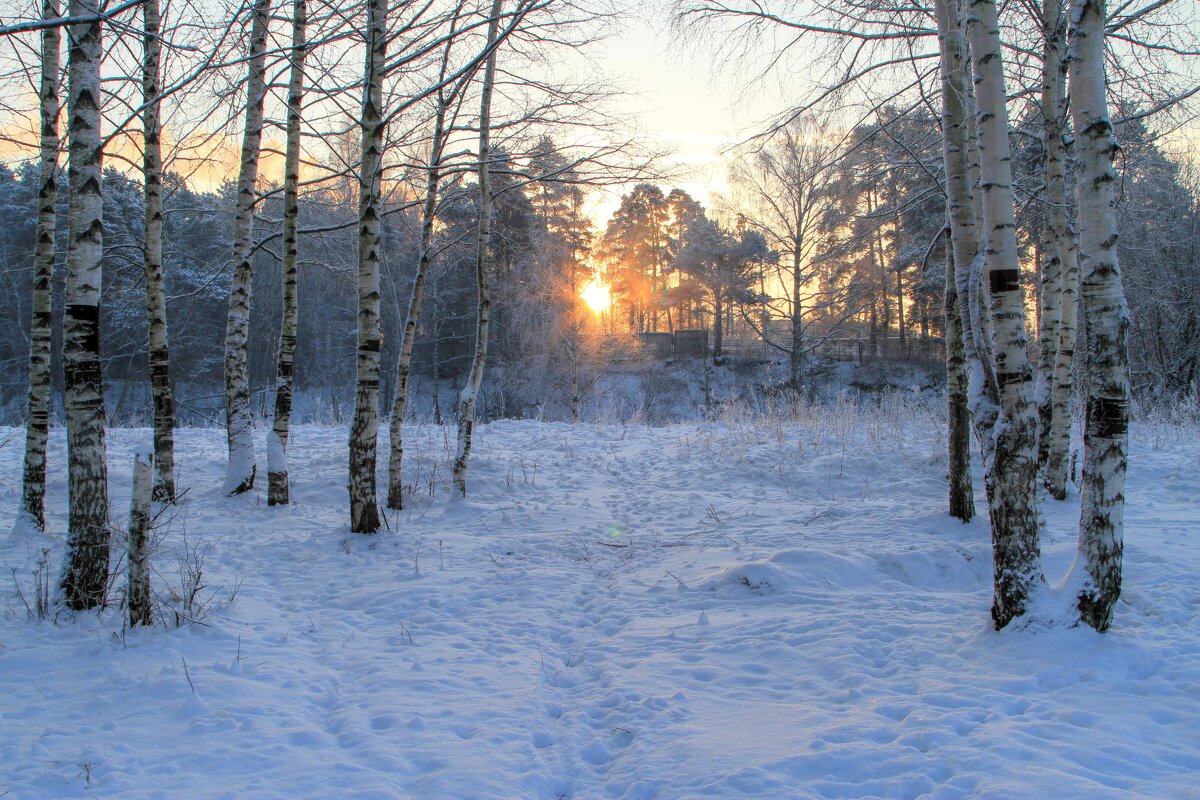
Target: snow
(776, 608)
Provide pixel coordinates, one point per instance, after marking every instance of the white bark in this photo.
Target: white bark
(1012, 472)
(33, 496)
(85, 574)
(1060, 283)
(277, 469)
(964, 244)
(1106, 427)
(470, 390)
(156, 299)
(364, 432)
(140, 612)
(239, 425)
(958, 418)
(428, 219)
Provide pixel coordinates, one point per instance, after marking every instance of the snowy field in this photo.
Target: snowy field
(772, 609)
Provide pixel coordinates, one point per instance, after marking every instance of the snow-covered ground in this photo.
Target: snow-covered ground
(775, 608)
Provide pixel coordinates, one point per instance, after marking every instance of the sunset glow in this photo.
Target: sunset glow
(597, 296)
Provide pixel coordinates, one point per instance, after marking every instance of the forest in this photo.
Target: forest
(380, 289)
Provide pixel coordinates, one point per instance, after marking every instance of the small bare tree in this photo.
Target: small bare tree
(445, 98)
(470, 390)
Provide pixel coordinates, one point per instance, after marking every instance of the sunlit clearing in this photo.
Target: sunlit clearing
(597, 296)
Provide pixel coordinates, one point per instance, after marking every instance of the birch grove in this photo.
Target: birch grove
(84, 579)
(239, 423)
(33, 495)
(457, 257)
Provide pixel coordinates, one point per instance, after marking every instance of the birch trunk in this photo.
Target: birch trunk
(364, 432)
(404, 363)
(962, 358)
(239, 425)
(470, 390)
(796, 357)
(41, 324)
(1106, 425)
(1058, 437)
(958, 418)
(718, 324)
(85, 574)
(139, 550)
(156, 298)
(277, 469)
(1012, 474)
(1061, 280)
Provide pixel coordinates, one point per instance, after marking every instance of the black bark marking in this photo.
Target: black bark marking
(1107, 417)
(1004, 280)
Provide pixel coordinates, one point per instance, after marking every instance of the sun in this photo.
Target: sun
(597, 296)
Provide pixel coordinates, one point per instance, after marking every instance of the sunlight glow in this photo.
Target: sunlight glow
(597, 296)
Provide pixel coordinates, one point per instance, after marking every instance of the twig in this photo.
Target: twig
(188, 675)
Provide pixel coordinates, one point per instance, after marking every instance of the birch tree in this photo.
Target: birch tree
(962, 358)
(445, 96)
(156, 300)
(364, 432)
(85, 575)
(1060, 268)
(277, 439)
(470, 391)
(1012, 471)
(41, 321)
(239, 425)
(1106, 421)
(958, 415)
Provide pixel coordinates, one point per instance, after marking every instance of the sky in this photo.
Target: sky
(683, 100)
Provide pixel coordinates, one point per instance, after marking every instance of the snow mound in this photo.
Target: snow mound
(794, 571)
(758, 577)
